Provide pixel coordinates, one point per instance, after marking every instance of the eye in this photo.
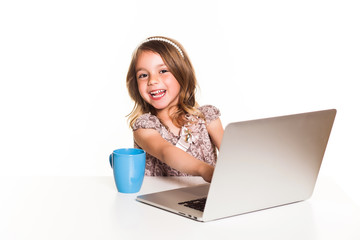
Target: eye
(143, 75)
(164, 71)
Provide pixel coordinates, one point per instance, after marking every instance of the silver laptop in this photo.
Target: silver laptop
(262, 163)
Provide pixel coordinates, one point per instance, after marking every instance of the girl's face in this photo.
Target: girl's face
(157, 86)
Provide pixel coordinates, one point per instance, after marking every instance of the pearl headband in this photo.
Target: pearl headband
(164, 40)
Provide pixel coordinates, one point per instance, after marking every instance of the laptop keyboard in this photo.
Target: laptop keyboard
(198, 204)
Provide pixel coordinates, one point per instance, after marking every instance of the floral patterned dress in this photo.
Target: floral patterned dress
(194, 139)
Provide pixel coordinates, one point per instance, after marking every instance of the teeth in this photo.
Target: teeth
(158, 96)
(157, 92)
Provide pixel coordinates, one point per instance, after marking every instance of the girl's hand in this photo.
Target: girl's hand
(207, 172)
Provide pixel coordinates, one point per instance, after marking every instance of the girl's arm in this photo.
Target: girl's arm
(216, 132)
(152, 142)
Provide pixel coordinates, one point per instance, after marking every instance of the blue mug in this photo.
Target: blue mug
(128, 165)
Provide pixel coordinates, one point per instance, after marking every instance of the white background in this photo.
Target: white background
(63, 64)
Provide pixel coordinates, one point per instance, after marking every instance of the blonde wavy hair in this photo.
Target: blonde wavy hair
(180, 66)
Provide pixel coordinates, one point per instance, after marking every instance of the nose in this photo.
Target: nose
(153, 80)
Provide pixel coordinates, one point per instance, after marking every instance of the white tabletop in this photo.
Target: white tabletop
(91, 208)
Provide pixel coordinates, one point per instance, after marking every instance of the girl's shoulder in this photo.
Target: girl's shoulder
(210, 112)
(147, 120)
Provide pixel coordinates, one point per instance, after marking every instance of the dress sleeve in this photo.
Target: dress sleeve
(147, 121)
(210, 113)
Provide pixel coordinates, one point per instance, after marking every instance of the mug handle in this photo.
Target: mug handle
(111, 160)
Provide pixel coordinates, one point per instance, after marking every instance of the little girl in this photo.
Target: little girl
(178, 136)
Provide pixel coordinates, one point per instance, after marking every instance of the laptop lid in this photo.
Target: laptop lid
(268, 162)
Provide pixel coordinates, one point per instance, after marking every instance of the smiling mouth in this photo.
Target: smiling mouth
(157, 94)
